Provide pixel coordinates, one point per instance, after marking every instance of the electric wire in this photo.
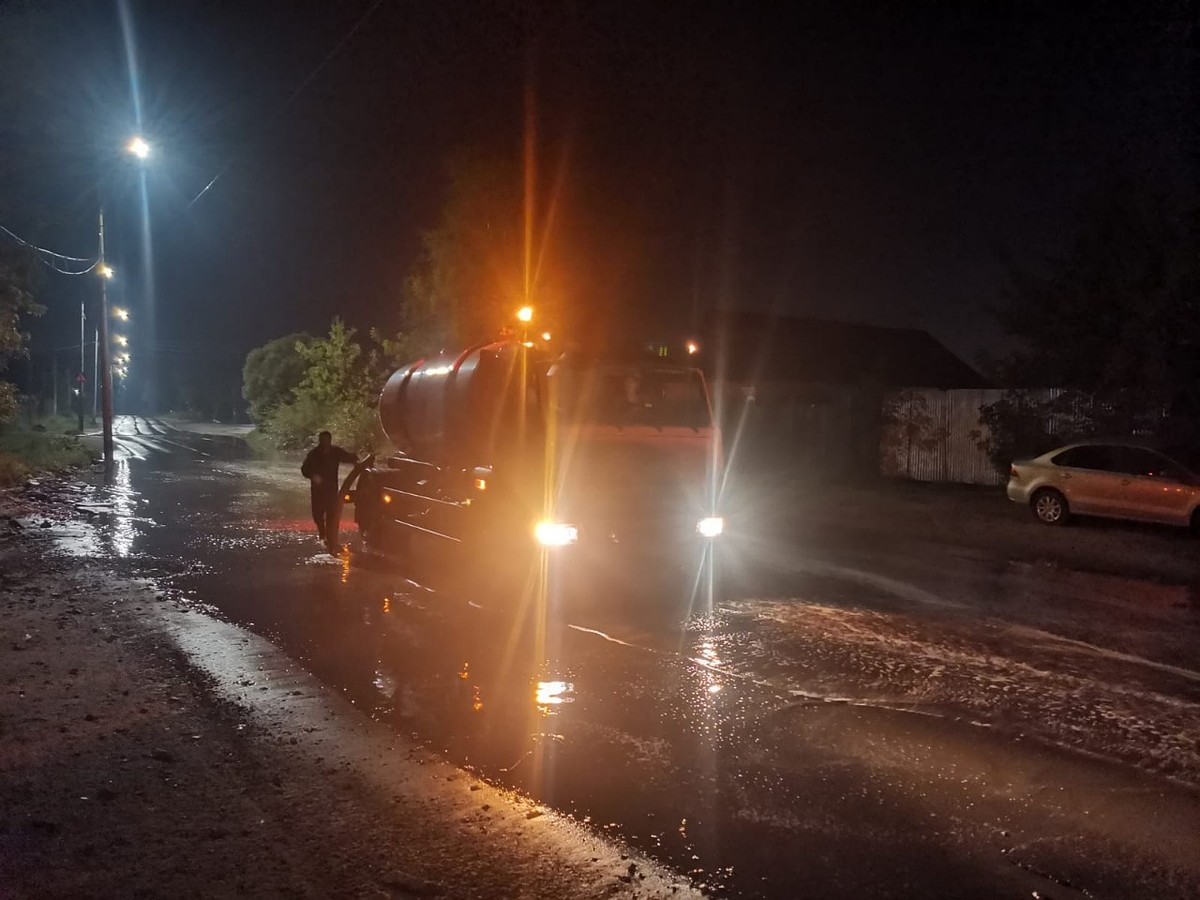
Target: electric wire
(22, 241)
(50, 265)
(47, 263)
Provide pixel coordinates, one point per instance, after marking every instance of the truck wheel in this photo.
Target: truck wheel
(1050, 507)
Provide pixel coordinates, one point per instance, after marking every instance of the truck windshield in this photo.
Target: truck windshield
(635, 395)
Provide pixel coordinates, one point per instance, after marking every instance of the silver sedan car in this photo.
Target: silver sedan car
(1110, 479)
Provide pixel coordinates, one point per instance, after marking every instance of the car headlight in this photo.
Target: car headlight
(555, 534)
(710, 526)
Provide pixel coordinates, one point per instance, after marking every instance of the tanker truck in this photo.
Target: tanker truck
(512, 460)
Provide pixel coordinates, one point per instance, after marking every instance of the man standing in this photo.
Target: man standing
(321, 469)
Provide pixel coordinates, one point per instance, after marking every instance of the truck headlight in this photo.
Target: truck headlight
(710, 526)
(555, 534)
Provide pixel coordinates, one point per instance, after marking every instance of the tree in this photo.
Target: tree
(495, 248)
(1116, 316)
(1114, 324)
(469, 276)
(505, 236)
(17, 281)
(337, 392)
(272, 373)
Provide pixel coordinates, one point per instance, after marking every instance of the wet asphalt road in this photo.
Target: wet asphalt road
(851, 721)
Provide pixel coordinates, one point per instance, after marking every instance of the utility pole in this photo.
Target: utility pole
(96, 379)
(79, 379)
(106, 401)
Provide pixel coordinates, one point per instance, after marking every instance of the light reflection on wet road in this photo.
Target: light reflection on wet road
(709, 743)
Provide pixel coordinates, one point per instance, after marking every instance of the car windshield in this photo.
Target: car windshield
(635, 395)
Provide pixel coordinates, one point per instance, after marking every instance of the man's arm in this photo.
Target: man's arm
(307, 466)
(346, 456)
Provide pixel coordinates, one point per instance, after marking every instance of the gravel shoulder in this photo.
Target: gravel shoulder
(147, 750)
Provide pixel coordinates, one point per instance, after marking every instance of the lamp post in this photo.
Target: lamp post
(106, 403)
(138, 147)
(79, 378)
(96, 377)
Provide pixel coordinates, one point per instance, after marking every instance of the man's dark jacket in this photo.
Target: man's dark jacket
(321, 467)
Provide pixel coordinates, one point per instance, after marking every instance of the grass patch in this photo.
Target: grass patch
(46, 445)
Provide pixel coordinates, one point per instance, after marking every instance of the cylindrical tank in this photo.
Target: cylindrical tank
(445, 409)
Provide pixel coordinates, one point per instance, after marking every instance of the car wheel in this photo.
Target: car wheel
(1050, 507)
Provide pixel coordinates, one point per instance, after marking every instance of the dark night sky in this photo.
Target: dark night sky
(870, 163)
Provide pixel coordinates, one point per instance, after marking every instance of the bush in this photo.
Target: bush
(294, 426)
(262, 445)
(1027, 423)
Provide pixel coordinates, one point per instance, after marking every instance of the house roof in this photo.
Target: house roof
(770, 348)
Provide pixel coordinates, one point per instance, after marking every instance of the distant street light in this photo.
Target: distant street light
(121, 339)
(525, 314)
(122, 314)
(105, 270)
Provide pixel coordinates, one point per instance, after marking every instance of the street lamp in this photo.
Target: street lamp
(106, 389)
(525, 314)
(121, 339)
(138, 147)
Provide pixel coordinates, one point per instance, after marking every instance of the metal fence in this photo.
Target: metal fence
(932, 435)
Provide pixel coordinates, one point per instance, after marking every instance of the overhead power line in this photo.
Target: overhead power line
(51, 265)
(92, 263)
(21, 240)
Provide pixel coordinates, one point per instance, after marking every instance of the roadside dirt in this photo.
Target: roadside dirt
(127, 770)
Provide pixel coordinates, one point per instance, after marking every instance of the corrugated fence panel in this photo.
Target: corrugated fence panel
(934, 435)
